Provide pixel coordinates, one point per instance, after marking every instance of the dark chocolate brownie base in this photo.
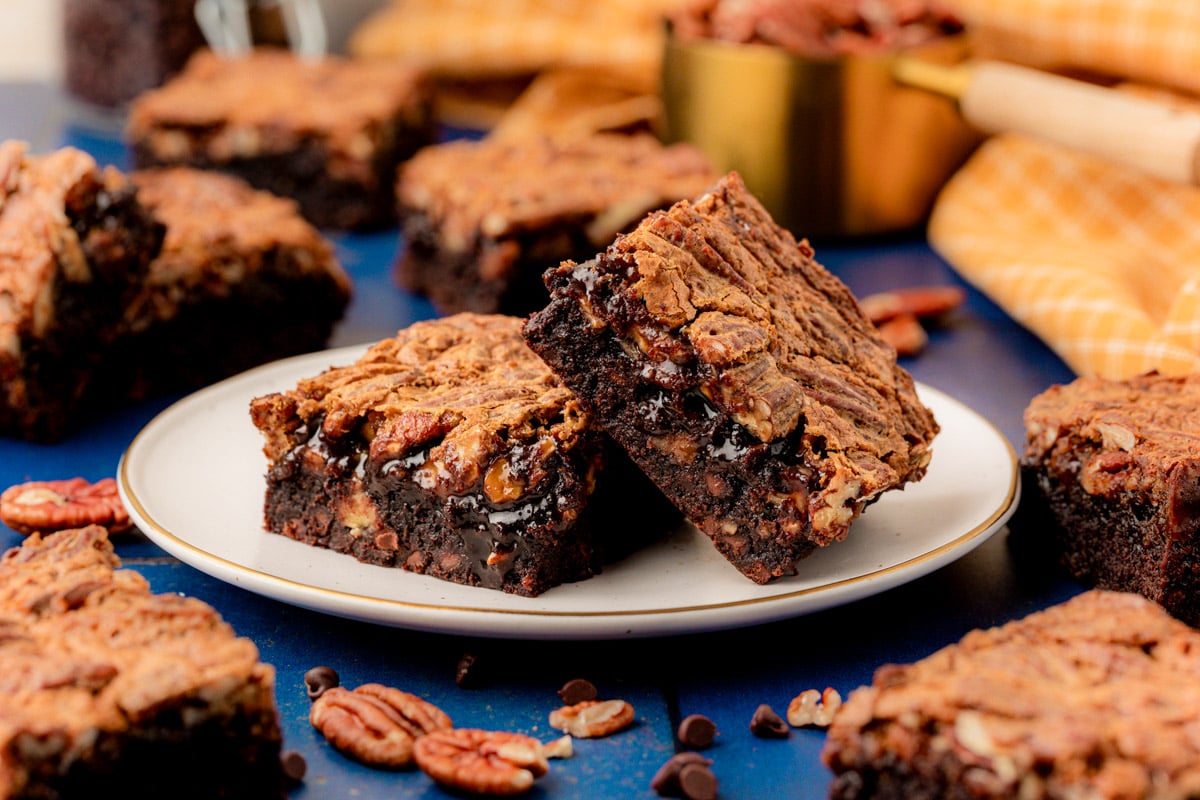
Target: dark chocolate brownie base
(739, 374)
(450, 450)
(736, 471)
(1087, 698)
(497, 277)
(42, 395)
(325, 200)
(1111, 486)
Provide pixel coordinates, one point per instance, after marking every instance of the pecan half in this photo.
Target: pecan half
(375, 724)
(811, 707)
(925, 302)
(591, 719)
(482, 762)
(49, 506)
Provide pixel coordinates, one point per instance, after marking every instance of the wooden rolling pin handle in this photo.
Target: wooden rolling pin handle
(1152, 136)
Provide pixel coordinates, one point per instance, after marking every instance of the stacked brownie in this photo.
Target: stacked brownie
(1095, 697)
(483, 220)
(1112, 477)
(451, 450)
(75, 248)
(108, 690)
(329, 132)
(739, 375)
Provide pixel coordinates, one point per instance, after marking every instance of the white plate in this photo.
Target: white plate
(193, 480)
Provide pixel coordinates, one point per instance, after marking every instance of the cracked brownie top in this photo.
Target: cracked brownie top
(465, 387)
(1069, 701)
(715, 289)
(38, 245)
(220, 231)
(493, 189)
(268, 100)
(1124, 434)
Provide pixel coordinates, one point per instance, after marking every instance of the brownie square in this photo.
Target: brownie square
(451, 450)
(1111, 470)
(113, 50)
(75, 247)
(108, 690)
(329, 132)
(482, 220)
(739, 374)
(242, 279)
(1094, 697)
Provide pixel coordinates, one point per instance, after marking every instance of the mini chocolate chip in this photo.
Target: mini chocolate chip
(767, 724)
(577, 690)
(697, 782)
(319, 679)
(696, 731)
(666, 781)
(294, 767)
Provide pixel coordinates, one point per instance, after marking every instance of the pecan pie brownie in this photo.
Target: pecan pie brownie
(242, 279)
(1094, 697)
(482, 220)
(108, 690)
(450, 450)
(739, 374)
(328, 132)
(1112, 475)
(75, 246)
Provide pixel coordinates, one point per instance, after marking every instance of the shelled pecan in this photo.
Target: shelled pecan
(481, 762)
(48, 506)
(376, 724)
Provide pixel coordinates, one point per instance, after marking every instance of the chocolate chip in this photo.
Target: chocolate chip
(577, 690)
(320, 679)
(294, 767)
(767, 724)
(466, 674)
(697, 782)
(666, 781)
(696, 731)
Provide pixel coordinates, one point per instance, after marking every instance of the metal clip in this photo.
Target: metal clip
(226, 25)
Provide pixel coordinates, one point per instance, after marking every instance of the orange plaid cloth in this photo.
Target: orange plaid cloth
(1098, 260)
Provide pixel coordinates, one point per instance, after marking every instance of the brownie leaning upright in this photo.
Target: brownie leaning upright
(739, 374)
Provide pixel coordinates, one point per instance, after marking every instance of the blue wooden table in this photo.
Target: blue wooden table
(982, 358)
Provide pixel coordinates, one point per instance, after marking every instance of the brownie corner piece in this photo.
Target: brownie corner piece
(449, 450)
(1113, 472)
(329, 133)
(739, 374)
(1084, 698)
(75, 248)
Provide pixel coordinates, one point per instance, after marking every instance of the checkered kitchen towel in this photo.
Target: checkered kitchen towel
(1100, 261)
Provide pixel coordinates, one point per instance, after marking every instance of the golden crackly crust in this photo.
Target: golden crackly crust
(467, 382)
(1127, 434)
(1094, 697)
(38, 247)
(85, 647)
(274, 99)
(782, 340)
(496, 188)
(220, 231)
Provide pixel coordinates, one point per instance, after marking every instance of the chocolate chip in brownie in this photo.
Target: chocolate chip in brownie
(320, 679)
(696, 731)
(577, 690)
